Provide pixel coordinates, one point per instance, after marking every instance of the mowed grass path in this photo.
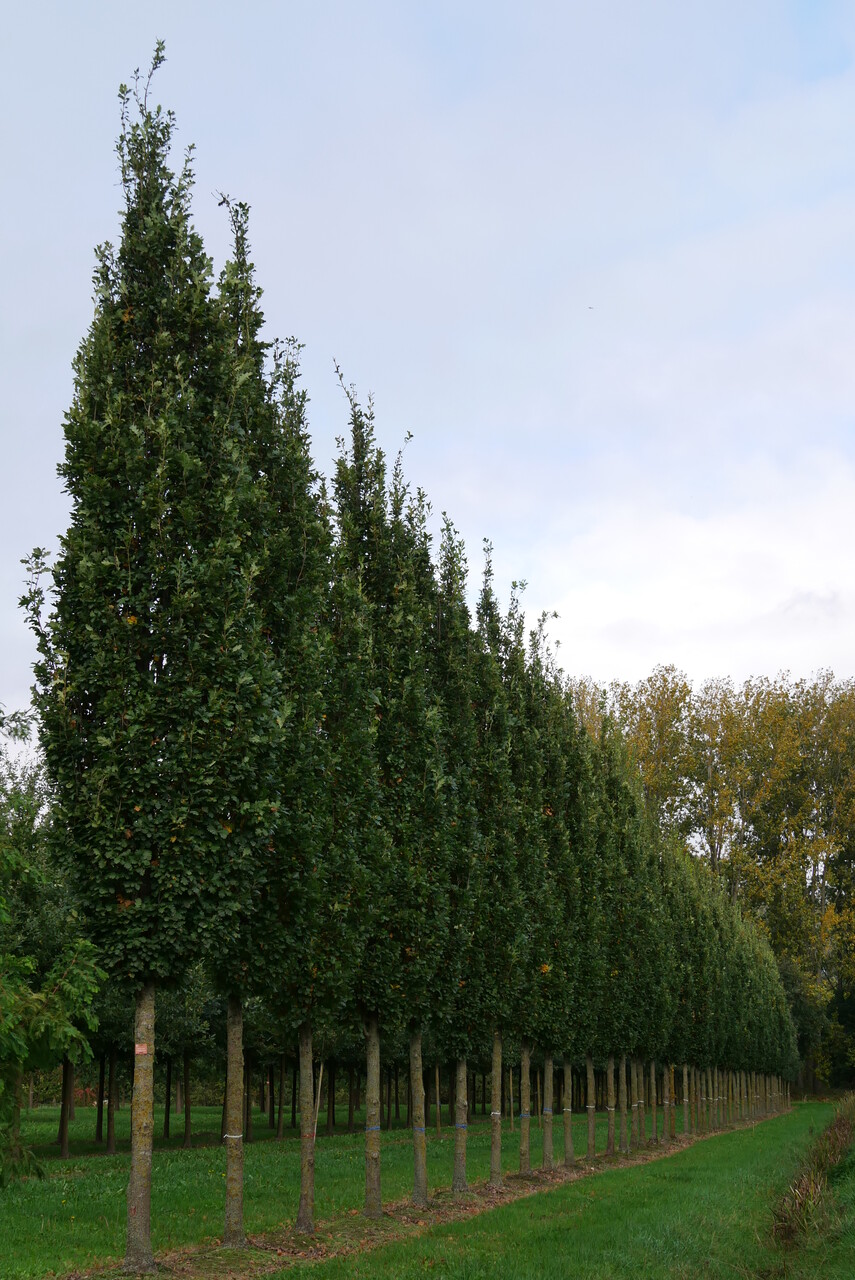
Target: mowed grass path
(703, 1212)
(689, 1215)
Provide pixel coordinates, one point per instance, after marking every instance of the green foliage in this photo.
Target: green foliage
(157, 698)
(48, 972)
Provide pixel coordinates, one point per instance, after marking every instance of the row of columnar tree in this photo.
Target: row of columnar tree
(276, 736)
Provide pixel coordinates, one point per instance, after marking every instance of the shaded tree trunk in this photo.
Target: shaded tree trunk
(167, 1106)
(591, 1106)
(496, 1113)
(65, 1108)
(511, 1097)
(280, 1113)
(569, 1157)
(654, 1122)
(271, 1096)
(666, 1098)
(188, 1127)
(248, 1101)
(548, 1087)
(438, 1100)
(112, 1102)
(461, 1107)
(623, 1140)
(351, 1099)
(417, 1088)
(610, 1106)
(99, 1113)
(331, 1097)
(525, 1109)
(306, 1210)
(634, 1129)
(373, 1201)
(233, 1236)
(139, 1259)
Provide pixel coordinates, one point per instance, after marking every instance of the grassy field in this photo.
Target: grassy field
(704, 1211)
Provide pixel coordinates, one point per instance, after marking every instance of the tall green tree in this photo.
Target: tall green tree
(155, 689)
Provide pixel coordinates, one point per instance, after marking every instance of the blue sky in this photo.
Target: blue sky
(598, 259)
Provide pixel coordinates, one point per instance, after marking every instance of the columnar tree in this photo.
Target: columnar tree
(154, 688)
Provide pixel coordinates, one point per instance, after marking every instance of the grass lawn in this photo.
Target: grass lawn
(704, 1211)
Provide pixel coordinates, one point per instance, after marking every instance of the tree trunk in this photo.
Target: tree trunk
(610, 1106)
(233, 1236)
(112, 1101)
(373, 1201)
(397, 1100)
(709, 1106)
(417, 1087)
(496, 1113)
(99, 1105)
(634, 1128)
(139, 1258)
(624, 1134)
(591, 1107)
(461, 1108)
(248, 1134)
(569, 1157)
(306, 1210)
(179, 1095)
(511, 1096)
(654, 1121)
(294, 1093)
(539, 1107)
(525, 1109)
(672, 1096)
(438, 1100)
(168, 1102)
(186, 1144)
(271, 1096)
(642, 1109)
(65, 1107)
(666, 1099)
(386, 1116)
(280, 1111)
(331, 1097)
(548, 1086)
(685, 1098)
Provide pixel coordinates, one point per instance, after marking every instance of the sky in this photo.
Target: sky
(598, 259)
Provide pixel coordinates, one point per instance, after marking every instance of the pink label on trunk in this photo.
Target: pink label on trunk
(140, 1049)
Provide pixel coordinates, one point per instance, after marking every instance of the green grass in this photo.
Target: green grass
(695, 1214)
(705, 1212)
(76, 1216)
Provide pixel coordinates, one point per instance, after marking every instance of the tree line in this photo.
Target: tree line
(758, 779)
(277, 738)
